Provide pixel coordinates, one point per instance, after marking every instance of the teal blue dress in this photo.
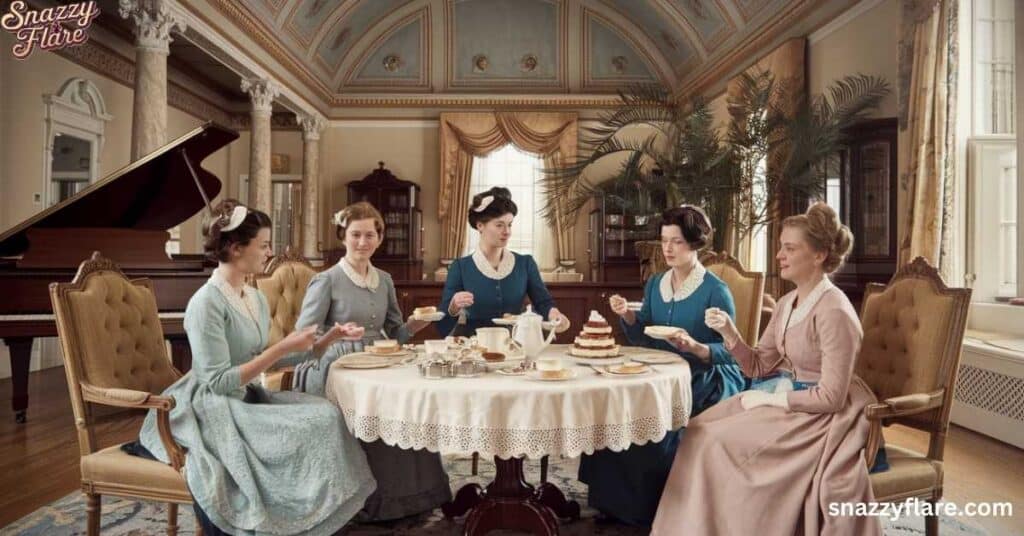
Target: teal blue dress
(627, 485)
(495, 292)
(258, 462)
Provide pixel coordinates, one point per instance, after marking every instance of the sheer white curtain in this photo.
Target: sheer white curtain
(520, 172)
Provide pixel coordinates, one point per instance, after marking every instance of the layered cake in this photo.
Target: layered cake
(596, 339)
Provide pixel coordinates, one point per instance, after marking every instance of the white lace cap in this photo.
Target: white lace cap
(484, 203)
(237, 217)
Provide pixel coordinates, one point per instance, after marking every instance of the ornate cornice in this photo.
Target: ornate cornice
(474, 101)
(107, 62)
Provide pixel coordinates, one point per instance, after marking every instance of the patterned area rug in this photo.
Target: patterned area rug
(130, 518)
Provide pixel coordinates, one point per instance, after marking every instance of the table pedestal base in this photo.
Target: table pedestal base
(511, 503)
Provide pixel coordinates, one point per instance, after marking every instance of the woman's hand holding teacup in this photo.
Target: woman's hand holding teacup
(620, 306)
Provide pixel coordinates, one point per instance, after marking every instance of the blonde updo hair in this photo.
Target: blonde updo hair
(355, 212)
(825, 233)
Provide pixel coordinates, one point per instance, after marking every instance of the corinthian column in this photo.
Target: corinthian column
(262, 93)
(312, 125)
(153, 24)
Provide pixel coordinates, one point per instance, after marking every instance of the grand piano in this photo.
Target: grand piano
(126, 217)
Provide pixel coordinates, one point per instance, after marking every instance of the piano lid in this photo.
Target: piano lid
(156, 192)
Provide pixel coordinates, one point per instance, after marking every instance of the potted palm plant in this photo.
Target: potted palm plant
(665, 152)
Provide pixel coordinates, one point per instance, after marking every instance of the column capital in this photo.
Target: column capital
(153, 23)
(312, 125)
(262, 92)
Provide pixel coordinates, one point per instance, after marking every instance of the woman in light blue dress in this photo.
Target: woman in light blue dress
(492, 280)
(627, 485)
(257, 463)
(361, 298)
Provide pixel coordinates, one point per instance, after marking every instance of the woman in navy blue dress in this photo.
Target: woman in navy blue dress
(627, 485)
(492, 280)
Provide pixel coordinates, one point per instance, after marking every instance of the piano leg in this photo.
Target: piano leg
(21, 355)
(181, 353)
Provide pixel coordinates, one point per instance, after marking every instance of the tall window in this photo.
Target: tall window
(520, 172)
(285, 210)
(992, 170)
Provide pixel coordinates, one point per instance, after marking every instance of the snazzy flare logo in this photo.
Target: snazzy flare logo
(48, 29)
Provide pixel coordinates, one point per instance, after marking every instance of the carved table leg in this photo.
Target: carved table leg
(21, 357)
(509, 503)
(467, 498)
(549, 495)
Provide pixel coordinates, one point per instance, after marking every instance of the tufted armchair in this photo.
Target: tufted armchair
(115, 355)
(747, 290)
(284, 283)
(913, 331)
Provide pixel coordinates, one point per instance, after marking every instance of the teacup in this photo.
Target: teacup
(494, 339)
(549, 364)
(435, 346)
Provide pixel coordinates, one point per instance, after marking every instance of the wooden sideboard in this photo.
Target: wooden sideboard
(575, 300)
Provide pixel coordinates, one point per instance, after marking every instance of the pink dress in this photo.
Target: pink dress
(769, 470)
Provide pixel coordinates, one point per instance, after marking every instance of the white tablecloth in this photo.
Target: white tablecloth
(510, 415)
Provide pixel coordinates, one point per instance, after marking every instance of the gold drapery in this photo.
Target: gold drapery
(465, 135)
(928, 93)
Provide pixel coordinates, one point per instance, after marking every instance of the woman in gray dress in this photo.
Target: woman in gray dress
(257, 463)
(361, 298)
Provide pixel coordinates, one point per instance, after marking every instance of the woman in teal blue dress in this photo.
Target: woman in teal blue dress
(627, 485)
(493, 280)
(257, 462)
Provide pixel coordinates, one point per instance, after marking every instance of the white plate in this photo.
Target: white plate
(660, 332)
(609, 370)
(657, 359)
(510, 372)
(535, 375)
(432, 317)
(598, 360)
(396, 353)
(364, 361)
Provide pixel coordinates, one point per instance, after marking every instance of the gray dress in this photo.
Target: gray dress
(408, 481)
(258, 463)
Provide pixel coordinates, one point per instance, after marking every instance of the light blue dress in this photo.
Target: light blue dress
(258, 463)
(408, 481)
(627, 485)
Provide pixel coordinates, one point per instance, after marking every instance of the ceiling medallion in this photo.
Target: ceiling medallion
(528, 63)
(392, 62)
(480, 63)
(340, 38)
(619, 64)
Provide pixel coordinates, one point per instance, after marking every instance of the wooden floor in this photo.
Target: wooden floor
(39, 460)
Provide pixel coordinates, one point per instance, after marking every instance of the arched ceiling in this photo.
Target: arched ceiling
(358, 47)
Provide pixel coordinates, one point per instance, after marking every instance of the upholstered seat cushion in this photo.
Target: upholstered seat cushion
(285, 289)
(112, 467)
(910, 474)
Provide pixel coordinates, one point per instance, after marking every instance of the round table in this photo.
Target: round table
(512, 417)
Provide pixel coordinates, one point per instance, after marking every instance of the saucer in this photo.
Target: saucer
(569, 374)
(432, 317)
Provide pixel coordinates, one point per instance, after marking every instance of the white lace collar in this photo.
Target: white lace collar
(690, 284)
(242, 300)
(370, 282)
(505, 266)
(804, 308)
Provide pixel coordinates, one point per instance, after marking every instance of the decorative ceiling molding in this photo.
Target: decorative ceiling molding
(475, 101)
(589, 17)
(559, 81)
(749, 50)
(707, 43)
(422, 82)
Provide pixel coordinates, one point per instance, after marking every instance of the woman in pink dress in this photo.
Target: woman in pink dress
(771, 460)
